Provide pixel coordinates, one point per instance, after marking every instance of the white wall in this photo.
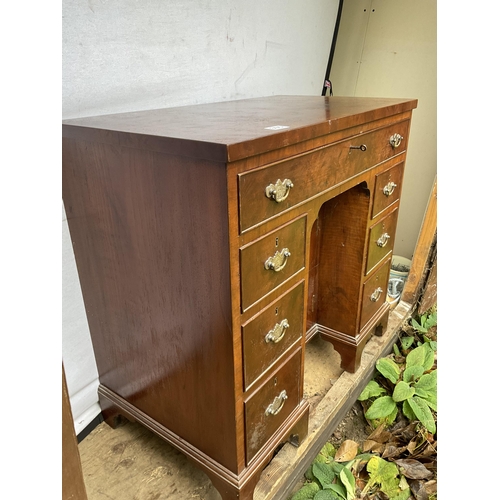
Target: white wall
(389, 48)
(125, 55)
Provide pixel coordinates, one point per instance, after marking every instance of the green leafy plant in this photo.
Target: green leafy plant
(398, 461)
(385, 476)
(328, 478)
(414, 389)
(425, 322)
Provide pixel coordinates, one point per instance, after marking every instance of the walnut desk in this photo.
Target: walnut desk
(212, 242)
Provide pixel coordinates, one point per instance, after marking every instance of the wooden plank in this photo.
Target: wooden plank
(73, 487)
(418, 271)
(429, 295)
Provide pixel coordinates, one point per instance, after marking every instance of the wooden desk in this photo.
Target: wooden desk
(212, 242)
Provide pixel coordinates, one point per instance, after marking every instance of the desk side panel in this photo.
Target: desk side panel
(150, 236)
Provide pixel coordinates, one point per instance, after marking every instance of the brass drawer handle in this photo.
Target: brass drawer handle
(278, 261)
(275, 407)
(278, 332)
(389, 188)
(395, 140)
(279, 191)
(382, 241)
(376, 294)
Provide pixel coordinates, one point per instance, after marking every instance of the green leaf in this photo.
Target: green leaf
(389, 369)
(376, 422)
(323, 473)
(423, 413)
(402, 391)
(408, 412)
(336, 467)
(429, 357)
(427, 382)
(431, 400)
(381, 407)
(308, 473)
(326, 495)
(431, 320)
(412, 373)
(307, 492)
(421, 356)
(338, 489)
(402, 495)
(372, 390)
(417, 326)
(406, 342)
(383, 473)
(349, 482)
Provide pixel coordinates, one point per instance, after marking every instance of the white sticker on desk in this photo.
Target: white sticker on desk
(277, 127)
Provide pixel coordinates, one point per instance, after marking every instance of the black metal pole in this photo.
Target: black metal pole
(332, 49)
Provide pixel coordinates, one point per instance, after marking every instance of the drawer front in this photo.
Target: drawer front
(271, 260)
(381, 240)
(387, 189)
(268, 191)
(266, 410)
(374, 293)
(271, 333)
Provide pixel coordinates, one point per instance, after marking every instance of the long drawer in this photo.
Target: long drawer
(266, 410)
(268, 191)
(268, 336)
(268, 262)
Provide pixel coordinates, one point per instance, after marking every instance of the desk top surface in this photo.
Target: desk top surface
(232, 130)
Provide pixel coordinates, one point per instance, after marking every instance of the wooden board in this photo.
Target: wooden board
(73, 487)
(429, 295)
(423, 250)
(131, 463)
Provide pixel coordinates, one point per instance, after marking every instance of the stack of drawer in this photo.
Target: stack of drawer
(212, 242)
(381, 239)
(276, 263)
(274, 337)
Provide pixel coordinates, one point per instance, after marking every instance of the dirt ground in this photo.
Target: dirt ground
(353, 426)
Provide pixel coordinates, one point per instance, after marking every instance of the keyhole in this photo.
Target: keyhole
(277, 242)
(276, 311)
(275, 380)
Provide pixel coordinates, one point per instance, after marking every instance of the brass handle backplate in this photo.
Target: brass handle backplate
(389, 188)
(278, 261)
(396, 140)
(275, 407)
(280, 190)
(382, 241)
(278, 332)
(376, 294)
